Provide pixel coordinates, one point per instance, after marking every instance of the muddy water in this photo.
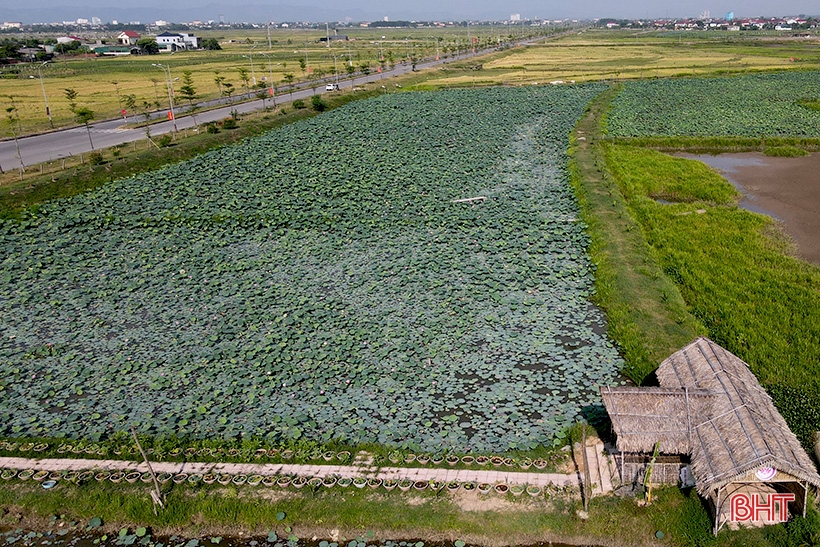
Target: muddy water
(75, 537)
(787, 189)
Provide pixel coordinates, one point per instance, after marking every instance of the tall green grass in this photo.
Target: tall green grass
(735, 271)
(194, 511)
(646, 315)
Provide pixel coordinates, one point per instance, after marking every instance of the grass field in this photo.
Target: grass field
(594, 55)
(94, 78)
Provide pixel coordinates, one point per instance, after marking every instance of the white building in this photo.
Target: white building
(173, 41)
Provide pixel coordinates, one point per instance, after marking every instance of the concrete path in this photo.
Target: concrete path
(491, 476)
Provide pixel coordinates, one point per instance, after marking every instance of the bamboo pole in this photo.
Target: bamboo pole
(156, 494)
(587, 479)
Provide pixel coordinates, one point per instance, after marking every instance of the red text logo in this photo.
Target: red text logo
(772, 507)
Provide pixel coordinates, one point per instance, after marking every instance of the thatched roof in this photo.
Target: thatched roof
(642, 416)
(715, 408)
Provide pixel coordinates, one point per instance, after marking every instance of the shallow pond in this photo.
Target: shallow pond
(787, 189)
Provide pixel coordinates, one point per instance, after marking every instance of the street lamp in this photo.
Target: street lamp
(253, 74)
(168, 83)
(45, 99)
(336, 70)
(270, 77)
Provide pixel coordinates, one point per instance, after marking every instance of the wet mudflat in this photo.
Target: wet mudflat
(787, 189)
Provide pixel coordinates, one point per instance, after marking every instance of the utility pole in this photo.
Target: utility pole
(169, 83)
(45, 99)
(272, 89)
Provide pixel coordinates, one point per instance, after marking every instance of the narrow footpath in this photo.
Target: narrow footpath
(601, 471)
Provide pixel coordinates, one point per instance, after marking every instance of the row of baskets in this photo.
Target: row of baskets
(283, 455)
(281, 481)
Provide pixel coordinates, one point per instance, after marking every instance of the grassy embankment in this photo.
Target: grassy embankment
(735, 271)
(698, 265)
(197, 511)
(646, 314)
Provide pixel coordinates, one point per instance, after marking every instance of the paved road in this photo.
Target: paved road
(74, 141)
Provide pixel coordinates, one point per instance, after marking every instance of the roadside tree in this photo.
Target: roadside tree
(188, 92)
(148, 45)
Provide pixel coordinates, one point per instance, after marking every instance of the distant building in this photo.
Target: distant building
(68, 39)
(515, 17)
(128, 38)
(29, 54)
(334, 38)
(12, 24)
(116, 51)
(173, 41)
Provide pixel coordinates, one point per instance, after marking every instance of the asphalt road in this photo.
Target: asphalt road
(65, 143)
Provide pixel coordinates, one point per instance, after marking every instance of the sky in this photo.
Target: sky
(359, 10)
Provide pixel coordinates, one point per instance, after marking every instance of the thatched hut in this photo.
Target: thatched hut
(711, 412)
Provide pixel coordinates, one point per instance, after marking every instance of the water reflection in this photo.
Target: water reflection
(728, 165)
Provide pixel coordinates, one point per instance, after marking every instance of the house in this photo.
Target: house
(30, 54)
(173, 41)
(68, 39)
(710, 422)
(128, 38)
(115, 51)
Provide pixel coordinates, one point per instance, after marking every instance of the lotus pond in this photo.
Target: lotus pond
(321, 282)
(757, 105)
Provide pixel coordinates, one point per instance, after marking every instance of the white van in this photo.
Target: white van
(332, 87)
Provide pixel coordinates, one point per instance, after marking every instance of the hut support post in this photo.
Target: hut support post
(716, 528)
(805, 496)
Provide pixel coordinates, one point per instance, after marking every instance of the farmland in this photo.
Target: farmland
(757, 105)
(322, 284)
(247, 60)
(733, 267)
(333, 256)
(598, 55)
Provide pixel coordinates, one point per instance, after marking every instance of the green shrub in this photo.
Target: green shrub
(96, 158)
(318, 104)
(212, 128)
(298, 104)
(165, 140)
(229, 123)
